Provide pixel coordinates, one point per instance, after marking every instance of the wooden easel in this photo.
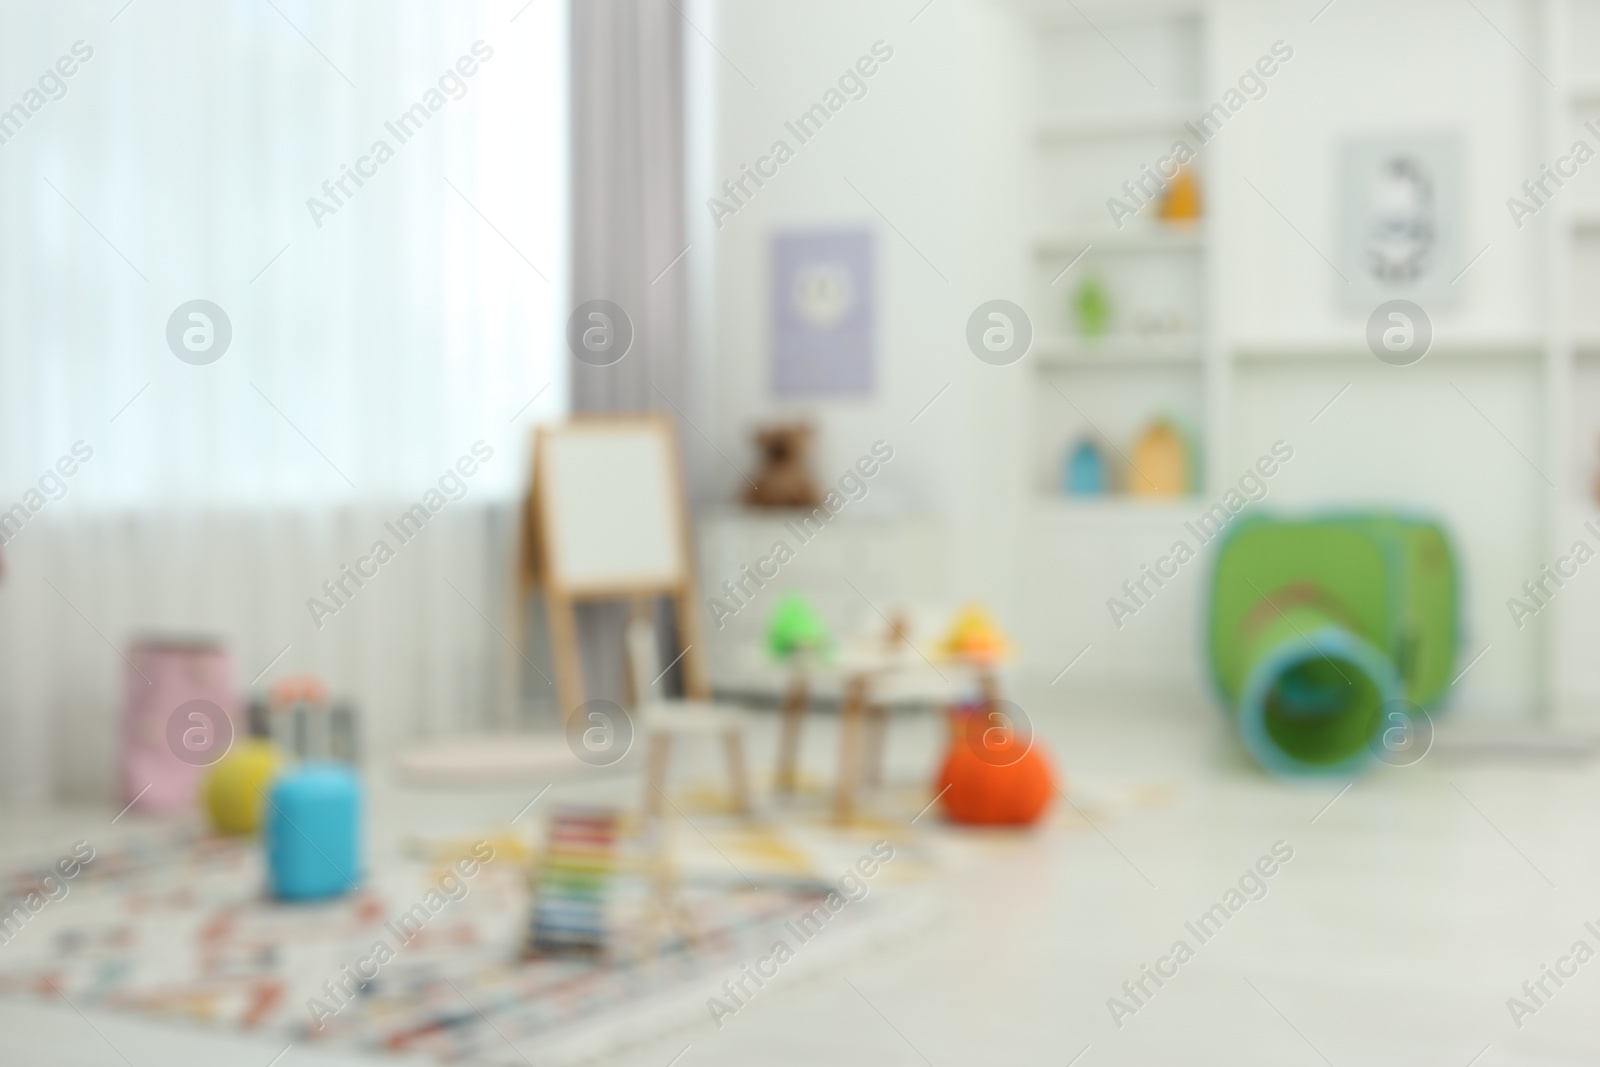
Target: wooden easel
(645, 533)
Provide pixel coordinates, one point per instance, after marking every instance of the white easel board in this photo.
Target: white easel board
(612, 506)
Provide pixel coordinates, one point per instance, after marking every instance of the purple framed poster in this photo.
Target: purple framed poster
(822, 318)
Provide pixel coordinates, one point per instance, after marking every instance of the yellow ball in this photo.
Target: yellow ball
(236, 785)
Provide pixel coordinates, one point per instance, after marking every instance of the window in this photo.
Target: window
(373, 196)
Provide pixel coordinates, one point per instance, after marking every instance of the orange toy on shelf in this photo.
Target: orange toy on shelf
(1181, 201)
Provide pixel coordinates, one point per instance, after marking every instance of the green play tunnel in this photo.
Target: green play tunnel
(1322, 631)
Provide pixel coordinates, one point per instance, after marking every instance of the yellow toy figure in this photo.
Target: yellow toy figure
(235, 787)
(974, 638)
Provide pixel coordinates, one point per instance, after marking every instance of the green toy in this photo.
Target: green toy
(1325, 634)
(1092, 307)
(795, 628)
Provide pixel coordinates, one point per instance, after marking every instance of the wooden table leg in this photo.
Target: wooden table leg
(794, 713)
(877, 727)
(851, 712)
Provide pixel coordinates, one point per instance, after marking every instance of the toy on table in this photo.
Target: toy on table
(795, 629)
(181, 716)
(798, 639)
(1180, 201)
(1161, 461)
(1329, 638)
(573, 882)
(236, 786)
(995, 772)
(974, 638)
(1084, 473)
(313, 832)
(1091, 307)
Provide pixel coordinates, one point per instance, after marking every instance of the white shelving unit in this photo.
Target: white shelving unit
(1309, 349)
(1099, 120)
(1155, 359)
(1116, 122)
(1135, 238)
(1104, 352)
(1520, 342)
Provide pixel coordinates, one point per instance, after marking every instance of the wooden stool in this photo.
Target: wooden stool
(662, 721)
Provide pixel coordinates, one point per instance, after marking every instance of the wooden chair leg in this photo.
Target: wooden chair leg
(877, 728)
(794, 713)
(655, 777)
(850, 715)
(733, 744)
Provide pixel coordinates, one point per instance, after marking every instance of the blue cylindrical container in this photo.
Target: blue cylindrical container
(313, 838)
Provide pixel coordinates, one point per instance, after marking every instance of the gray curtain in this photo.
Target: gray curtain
(628, 195)
(628, 227)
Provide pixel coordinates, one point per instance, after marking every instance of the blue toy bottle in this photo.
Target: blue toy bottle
(313, 839)
(1084, 471)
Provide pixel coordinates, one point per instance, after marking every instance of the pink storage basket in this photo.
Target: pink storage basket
(168, 741)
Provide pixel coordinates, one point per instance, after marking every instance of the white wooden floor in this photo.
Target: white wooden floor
(1413, 907)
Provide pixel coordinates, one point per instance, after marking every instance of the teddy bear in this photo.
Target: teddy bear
(784, 480)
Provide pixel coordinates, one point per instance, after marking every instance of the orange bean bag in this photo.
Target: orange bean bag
(995, 776)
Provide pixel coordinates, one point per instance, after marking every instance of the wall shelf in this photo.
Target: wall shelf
(1132, 239)
(1117, 123)
(1354, 349)
(1112, 352)
(1120, 507)
(1104, 12)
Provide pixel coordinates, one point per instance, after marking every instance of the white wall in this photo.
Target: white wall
(932, 146)
(1374, 67)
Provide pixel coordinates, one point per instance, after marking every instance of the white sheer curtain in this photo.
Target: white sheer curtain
(372, 344)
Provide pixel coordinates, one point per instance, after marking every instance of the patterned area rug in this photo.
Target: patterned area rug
(177, 926)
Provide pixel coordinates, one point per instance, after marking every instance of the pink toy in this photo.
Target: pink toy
(182, 715)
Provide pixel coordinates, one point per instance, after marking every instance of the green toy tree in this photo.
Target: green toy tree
(795, 628)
